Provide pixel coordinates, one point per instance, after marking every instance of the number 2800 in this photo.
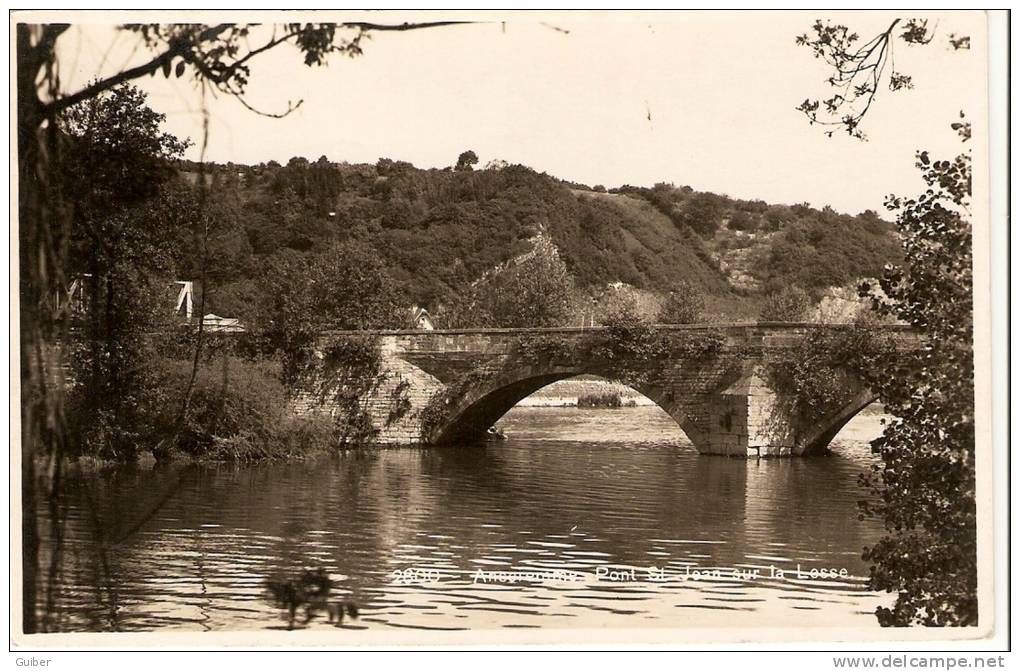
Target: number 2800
(409, 576)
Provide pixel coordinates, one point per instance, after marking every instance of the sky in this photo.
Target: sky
(701, 99)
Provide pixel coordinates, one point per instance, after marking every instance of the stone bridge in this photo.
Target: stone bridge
(446, 387)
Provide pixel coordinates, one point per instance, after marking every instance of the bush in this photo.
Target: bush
(600, 399)
(703, 214)
(625, 304)
(239, 411)
(788, 305)
(823, 372)
(617, 307)
(683, 305)
(742, 221)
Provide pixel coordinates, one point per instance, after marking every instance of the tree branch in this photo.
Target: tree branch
(181, 48)
(175, 49)
(382, 27)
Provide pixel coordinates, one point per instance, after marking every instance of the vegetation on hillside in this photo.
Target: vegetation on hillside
(771, 247)
(437, 232)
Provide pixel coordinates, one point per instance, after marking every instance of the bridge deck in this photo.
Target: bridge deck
(741, 327)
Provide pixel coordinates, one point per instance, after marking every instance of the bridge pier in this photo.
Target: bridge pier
(745, 422)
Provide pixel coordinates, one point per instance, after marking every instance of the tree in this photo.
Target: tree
(466, 161)
(683, 305)
(532, 290)
(125, 235)
(299, 297)
(742, 221)
(859, 70)
(924, 488)
(622, 304)
(703, 214)
(216, 55)
(787, 305)
(116, 154)
(925, 485)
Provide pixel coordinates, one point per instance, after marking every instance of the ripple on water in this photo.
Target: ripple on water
(559, 495)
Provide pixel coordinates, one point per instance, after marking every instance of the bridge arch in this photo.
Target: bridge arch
(817, 440)
(470, 415)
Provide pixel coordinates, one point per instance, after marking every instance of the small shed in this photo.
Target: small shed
(420, 319)
(216, 324)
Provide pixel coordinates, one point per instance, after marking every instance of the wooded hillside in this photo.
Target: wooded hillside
(437, 231)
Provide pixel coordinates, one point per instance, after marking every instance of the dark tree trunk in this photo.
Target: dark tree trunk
(28, 158)
(41, 238)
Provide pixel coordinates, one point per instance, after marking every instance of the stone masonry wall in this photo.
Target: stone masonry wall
(722, 402)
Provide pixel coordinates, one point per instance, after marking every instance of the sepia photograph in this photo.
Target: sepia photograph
(412, 328)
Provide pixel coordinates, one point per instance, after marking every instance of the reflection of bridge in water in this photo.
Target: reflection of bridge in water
(438, 387)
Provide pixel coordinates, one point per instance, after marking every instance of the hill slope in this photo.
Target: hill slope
(437, 231)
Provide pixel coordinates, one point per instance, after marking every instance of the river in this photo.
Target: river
(580, 518)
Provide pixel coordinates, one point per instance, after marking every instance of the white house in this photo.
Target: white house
(420, 319)
(216, 324)
(185, 299)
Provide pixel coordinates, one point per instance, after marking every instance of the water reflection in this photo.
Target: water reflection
(425, 538)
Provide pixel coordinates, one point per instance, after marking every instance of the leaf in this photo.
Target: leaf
(166, 68)
(180, 69)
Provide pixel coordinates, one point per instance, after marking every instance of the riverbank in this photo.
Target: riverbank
(563, 395)
(567, 393)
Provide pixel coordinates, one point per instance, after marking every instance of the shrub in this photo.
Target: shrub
(617, 307)
(600, 399)
(350, 369)
(742, 221)
(823, 372)
(625, 304)
(239, 411)
(703, 213)
(683, 305)
(788, 305)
